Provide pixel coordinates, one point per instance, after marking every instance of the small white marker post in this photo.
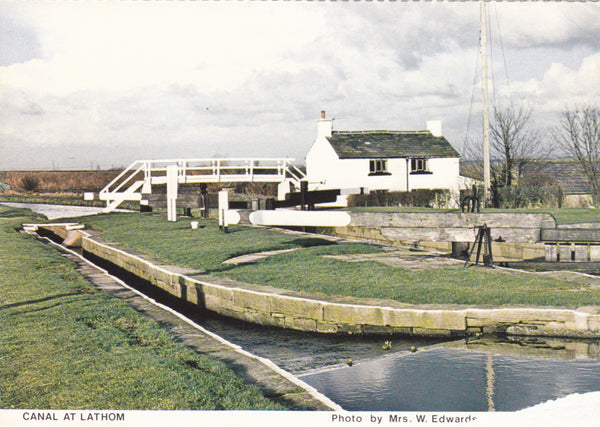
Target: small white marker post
(172, 172)
(223, 208)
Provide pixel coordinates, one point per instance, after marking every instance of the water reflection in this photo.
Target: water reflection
(301, 352)
(493, 374)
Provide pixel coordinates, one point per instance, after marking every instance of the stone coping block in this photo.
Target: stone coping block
(291, 310)
(571, 235)
(452, 220)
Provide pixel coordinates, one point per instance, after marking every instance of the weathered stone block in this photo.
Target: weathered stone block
(191, 294)
(432, 332)
(428, 319)
(594, 323)
(353, 314)
(257, 317)
(345, 328)
(277, 319)
(533, 252)
(301, 324)
(217, 304)
(479, 322)
(327, 327)
(252, 300)
(480, 317)
(571, 235)
(551, 252)
(73, 239)
(594, 253)
(380, 330)
(216, 291)
(296, 307)
(582, 253)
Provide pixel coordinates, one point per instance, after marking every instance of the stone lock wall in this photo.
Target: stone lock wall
(285, 309)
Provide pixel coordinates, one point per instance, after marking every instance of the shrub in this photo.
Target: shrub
(414, 198)
(527, 197)
(30, 183)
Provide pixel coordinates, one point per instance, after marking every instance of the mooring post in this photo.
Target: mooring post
(303, 191)
(204, 200)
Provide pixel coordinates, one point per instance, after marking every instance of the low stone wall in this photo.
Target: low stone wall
(453, 227)
(286, 309)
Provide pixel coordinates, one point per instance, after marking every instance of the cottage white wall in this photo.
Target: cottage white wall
(321, 164)
(444, 175)
(324, 167)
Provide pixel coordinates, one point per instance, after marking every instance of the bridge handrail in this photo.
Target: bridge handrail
(107, 189)
(218, 165)
(295, 172)
(283, 167)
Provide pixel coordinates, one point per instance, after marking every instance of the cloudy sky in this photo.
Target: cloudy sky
(105, 83)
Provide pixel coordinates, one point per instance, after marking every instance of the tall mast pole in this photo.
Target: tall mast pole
(486, 122)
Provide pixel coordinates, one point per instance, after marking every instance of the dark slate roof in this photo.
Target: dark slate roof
(389, 144)
(567, 173)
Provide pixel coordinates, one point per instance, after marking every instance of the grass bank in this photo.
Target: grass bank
(66, 345)
(51, 199)
(307, 270)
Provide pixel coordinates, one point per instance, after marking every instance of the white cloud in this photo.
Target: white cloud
(204, 78)
(530, 24)
(562, 86)
(119, 45)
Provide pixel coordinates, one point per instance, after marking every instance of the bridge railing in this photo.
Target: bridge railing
(262, 169)
(279, 168)
(118, 182)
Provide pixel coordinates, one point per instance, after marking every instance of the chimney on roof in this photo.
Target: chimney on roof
(324, 126)
(435, 127)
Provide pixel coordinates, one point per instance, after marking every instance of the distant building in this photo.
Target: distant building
(565, 173)
(365, 161)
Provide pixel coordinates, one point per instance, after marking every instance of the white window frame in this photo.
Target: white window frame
(419, 165)
(378, 167)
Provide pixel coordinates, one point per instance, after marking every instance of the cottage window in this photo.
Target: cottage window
(419, 165)
(378, 167)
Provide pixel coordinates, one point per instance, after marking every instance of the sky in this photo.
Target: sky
(104, 83)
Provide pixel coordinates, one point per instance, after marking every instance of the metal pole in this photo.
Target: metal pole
(486, 124)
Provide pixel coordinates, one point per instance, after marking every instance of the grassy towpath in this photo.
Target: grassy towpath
(310, 270)
(63, 344)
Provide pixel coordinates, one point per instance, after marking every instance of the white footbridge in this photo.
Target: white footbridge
(139, 177)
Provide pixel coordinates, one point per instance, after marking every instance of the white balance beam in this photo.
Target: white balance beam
(300, 218)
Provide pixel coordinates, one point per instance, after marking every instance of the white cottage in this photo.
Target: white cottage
(381, 160)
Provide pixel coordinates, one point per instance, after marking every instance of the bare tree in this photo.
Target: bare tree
(578, 134)
(514, 141)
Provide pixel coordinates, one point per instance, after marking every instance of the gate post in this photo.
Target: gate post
(223, 208)
(172, 178)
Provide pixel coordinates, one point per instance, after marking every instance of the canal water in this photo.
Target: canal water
(449, 379)
(53, 212)
(479, 374)
(406, 374)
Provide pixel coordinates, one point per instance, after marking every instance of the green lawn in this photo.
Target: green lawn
(306, 270)
(66, 345)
